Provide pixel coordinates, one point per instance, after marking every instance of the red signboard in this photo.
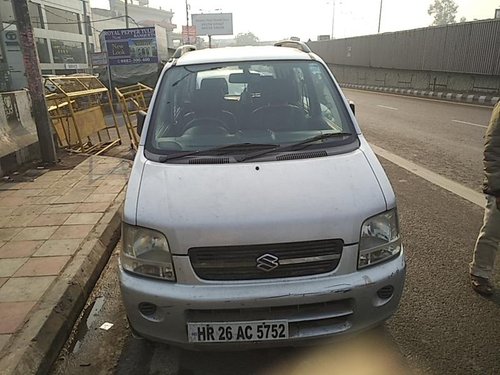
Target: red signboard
(188, 34)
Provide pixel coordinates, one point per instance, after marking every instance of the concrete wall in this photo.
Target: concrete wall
(18, 137)
(418, 80)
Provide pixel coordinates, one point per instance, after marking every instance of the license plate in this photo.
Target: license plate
(238, 331)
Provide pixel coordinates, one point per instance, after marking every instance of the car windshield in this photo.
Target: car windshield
(203, 107)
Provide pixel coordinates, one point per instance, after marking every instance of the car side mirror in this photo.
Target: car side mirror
(141, 116)
(353, 107)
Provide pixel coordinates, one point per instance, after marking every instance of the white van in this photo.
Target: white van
(256, 213)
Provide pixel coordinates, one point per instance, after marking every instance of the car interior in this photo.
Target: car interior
(235, 104)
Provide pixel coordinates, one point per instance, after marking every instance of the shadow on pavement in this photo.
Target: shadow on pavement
(372, 353)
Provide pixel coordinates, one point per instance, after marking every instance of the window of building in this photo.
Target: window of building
(6, 11)
(64, 72)
(89, 26)
(68, 52)
(36, 15)
(43, 50)
(63, 20)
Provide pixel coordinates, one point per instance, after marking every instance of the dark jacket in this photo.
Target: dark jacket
(492, 155)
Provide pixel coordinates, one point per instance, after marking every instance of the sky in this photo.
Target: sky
(278, 19)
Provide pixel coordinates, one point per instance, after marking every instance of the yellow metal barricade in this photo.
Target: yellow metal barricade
(133, 99)
(76, 105)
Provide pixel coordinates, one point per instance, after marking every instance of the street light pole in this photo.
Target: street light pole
(35, 84)
(380, 15)
(87, 41)
(187, 23)
(333, 18)
(126, 14)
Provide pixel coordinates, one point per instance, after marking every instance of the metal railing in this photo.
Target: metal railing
(469, 47)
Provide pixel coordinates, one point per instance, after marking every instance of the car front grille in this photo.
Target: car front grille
(267, 261)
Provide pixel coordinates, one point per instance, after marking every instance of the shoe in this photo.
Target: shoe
(481, 285)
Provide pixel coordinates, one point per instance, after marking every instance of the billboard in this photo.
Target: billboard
(131, 46)
(213, 23)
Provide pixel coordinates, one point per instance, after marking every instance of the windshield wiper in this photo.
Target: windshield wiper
(319, 137)
(296, 146)
(222, 150)
(180, 80)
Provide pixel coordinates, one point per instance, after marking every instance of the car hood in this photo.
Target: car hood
(259, 202)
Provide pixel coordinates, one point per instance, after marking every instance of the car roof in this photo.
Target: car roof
(249, 53)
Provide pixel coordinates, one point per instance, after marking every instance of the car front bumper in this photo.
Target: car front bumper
(316, 307)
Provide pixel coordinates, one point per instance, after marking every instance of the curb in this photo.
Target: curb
(37, 346)
(449, 96)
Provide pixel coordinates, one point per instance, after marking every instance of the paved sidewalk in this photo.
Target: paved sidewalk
(449, 96)
(55, 237)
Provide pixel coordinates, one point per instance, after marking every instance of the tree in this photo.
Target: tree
(443, 11)
(246, 39)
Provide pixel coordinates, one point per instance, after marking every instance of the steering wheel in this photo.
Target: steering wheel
(205, 125)
(270, 107)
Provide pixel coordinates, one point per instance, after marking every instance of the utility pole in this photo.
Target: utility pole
(187, 22)
(126, 14)
(87, 41)
(380, 15)
(333, 18)
(35, 84)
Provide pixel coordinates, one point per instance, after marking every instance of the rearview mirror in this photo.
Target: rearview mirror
(353, 107)
(141, 116)
(243, 77)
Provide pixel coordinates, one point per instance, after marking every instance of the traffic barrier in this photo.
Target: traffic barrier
(133, 99)
(76, 107)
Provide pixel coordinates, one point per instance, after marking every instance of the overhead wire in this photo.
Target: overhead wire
(9, 24)
(77, 23)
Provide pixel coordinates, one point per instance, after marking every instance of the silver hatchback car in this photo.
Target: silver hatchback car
(256, 213)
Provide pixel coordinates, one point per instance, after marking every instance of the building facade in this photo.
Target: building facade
(140, 15)
(59, 30)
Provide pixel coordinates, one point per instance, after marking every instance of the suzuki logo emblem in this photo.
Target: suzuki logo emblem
(267, 262)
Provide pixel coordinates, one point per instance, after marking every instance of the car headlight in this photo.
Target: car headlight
(379, 239)
(146, 252)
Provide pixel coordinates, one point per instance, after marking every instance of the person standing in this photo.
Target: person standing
(488, 241)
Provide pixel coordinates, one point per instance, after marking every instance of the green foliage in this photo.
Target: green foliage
(443, 11)
(246, 39)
